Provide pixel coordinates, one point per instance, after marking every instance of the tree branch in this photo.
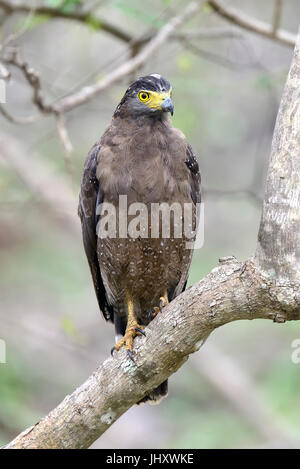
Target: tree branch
(209, 33)
(32, 78)
(277, 16)
(232, 291)
(89, 92)
(83, 17)
(142, 49)
(252, 24)
(100, 24)
(86, 93)
(19, 120)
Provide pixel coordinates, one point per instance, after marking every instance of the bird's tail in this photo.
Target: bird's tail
(154, 397)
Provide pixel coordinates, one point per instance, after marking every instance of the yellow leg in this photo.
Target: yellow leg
(132, 328)
(163, 301)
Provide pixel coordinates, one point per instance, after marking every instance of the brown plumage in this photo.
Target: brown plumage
(140, 155)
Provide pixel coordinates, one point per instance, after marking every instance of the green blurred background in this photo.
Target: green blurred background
(241, 389)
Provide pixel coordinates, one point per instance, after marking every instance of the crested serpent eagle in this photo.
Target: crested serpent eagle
(143, 157)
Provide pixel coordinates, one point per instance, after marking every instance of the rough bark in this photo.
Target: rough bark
(254, 25)
(278, 249)
(265, 287)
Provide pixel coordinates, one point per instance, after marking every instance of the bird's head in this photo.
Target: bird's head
(149, 95)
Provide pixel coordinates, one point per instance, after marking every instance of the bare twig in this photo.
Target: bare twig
(83, 17)
(19, 120)
(89, 92)
(277, 16)
(21, 31)
(141, 49)
(89, 19)
(209, 33)
(33, 79)
(66, 142)
(252, 24)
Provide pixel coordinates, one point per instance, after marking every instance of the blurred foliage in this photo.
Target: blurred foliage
(64, 5)
(280, 384)
(139, 13)
(32, 22)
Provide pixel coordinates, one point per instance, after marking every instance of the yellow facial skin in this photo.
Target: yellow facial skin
(153, 99)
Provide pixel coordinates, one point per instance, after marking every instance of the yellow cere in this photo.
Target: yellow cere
(153, 99)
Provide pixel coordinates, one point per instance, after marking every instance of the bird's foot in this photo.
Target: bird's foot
(163, 301)
(127, 339)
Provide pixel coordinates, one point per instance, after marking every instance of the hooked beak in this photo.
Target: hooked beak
(168, 106)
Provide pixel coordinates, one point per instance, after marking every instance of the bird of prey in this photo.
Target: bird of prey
(143, 157)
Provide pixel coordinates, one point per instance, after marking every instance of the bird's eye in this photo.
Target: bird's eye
(144, 96)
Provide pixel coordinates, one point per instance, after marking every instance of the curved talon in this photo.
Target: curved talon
(130, 355)
(131, 332)
(138, 329)
(163, 301)
(113, 349)
(151, 314)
